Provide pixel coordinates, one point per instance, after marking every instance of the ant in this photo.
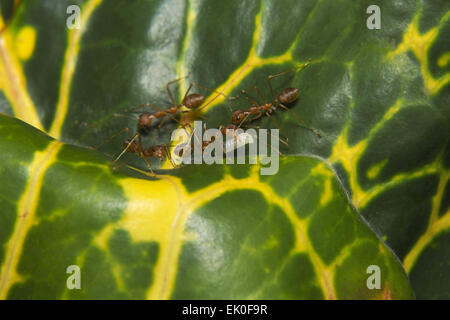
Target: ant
(231, 131)
(192, 101)
(160, 151)
(235, 140)
(256, 111)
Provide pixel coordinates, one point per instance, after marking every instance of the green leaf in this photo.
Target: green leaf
(241, 236)
(379, 98)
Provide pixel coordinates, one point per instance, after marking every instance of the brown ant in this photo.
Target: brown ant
(256, 111)
(134, 145)
(230, 131)
(160, 151)
(192, 101)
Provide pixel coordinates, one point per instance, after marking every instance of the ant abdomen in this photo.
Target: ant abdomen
(194, 100)
(288, 95)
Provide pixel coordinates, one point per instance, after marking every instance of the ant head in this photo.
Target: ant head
(147, 153)
(193, 101)
(288, 95)
(160, 152)
(238, 116)
(145, 120)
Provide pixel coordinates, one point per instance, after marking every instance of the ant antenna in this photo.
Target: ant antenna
(270, 77)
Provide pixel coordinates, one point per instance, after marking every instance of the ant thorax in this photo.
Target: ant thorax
(268, 107)
(173, 110)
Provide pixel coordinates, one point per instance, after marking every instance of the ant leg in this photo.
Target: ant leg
(257, 116)
(177, 145)
(187, 138)
(253, 118)
(147, 104)
(195, 135)
(163, 120)
(258, 92)
(186, 93)
(169, 156)
(138, 107)
(246, 117)
(128, 146)
(301, 120)
(270, 77)
(276, 123)
(124, 116)
(250, 100)
(204, 117)
(218, 94)
(208, 89)
(117, 166)
(113, 136)
(166, 114)
(170, 92)
(281, 140)
(117, 115)
(273, 149)
(148, 166)
(162, 110)
(268, 132)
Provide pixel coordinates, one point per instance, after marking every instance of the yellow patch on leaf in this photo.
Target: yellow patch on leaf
(25, 42)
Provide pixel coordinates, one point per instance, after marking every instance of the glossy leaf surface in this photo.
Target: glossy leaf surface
(379, 98)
